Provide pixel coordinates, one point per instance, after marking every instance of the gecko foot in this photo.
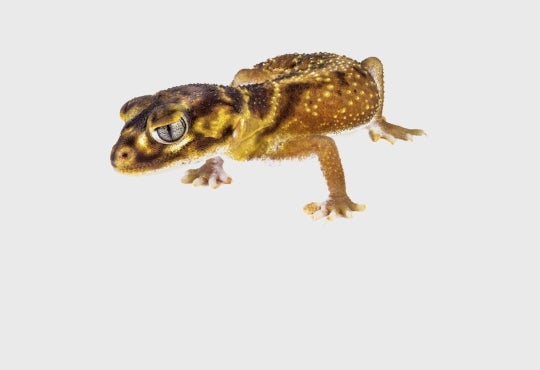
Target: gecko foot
(333, 207)
(211, 173)
(381, 129)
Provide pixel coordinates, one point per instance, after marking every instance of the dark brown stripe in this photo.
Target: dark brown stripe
(211, 97)
(361, 71)
(139, 121)
(286, 76)
(341, 77)
(161, 114)
(236, 96)
(148, 158)
(260, 97)
(290, 97)
(126, 141)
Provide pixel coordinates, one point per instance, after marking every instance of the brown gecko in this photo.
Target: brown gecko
(282, 108)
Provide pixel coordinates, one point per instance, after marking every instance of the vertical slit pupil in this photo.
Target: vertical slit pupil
(170, 131)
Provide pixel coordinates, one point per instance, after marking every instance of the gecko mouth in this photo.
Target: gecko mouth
(132, 168)
(127, 160)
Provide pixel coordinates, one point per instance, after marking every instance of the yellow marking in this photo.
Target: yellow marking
(330, 87)
(326, 94)
(142, 144)
(213, 124)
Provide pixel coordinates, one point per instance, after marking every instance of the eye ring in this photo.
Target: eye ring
(171, 133)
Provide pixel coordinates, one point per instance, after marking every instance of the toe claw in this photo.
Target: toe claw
(312, 208)
(199, 181)
(374, 136)
(213, 181)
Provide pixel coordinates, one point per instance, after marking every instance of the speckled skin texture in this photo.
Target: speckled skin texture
(280, 109)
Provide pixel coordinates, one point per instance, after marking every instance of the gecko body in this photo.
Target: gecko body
(282, 108)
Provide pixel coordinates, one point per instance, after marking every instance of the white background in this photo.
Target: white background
(104, 271)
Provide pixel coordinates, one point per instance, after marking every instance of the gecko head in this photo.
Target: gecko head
(180, 124)
(154, 135)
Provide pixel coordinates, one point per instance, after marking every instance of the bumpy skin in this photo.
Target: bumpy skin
(282, 108)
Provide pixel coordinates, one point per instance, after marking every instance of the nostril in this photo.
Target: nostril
(124, 155)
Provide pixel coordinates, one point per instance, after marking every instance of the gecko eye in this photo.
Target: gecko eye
(171, 133)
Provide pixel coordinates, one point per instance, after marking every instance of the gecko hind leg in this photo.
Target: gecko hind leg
(379, 128)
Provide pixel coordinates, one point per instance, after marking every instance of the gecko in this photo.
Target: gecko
(283, 108)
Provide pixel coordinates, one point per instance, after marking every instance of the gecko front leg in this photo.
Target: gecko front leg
(338, 203)
(210, 173)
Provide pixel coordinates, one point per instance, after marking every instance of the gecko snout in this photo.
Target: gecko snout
(121, 157)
